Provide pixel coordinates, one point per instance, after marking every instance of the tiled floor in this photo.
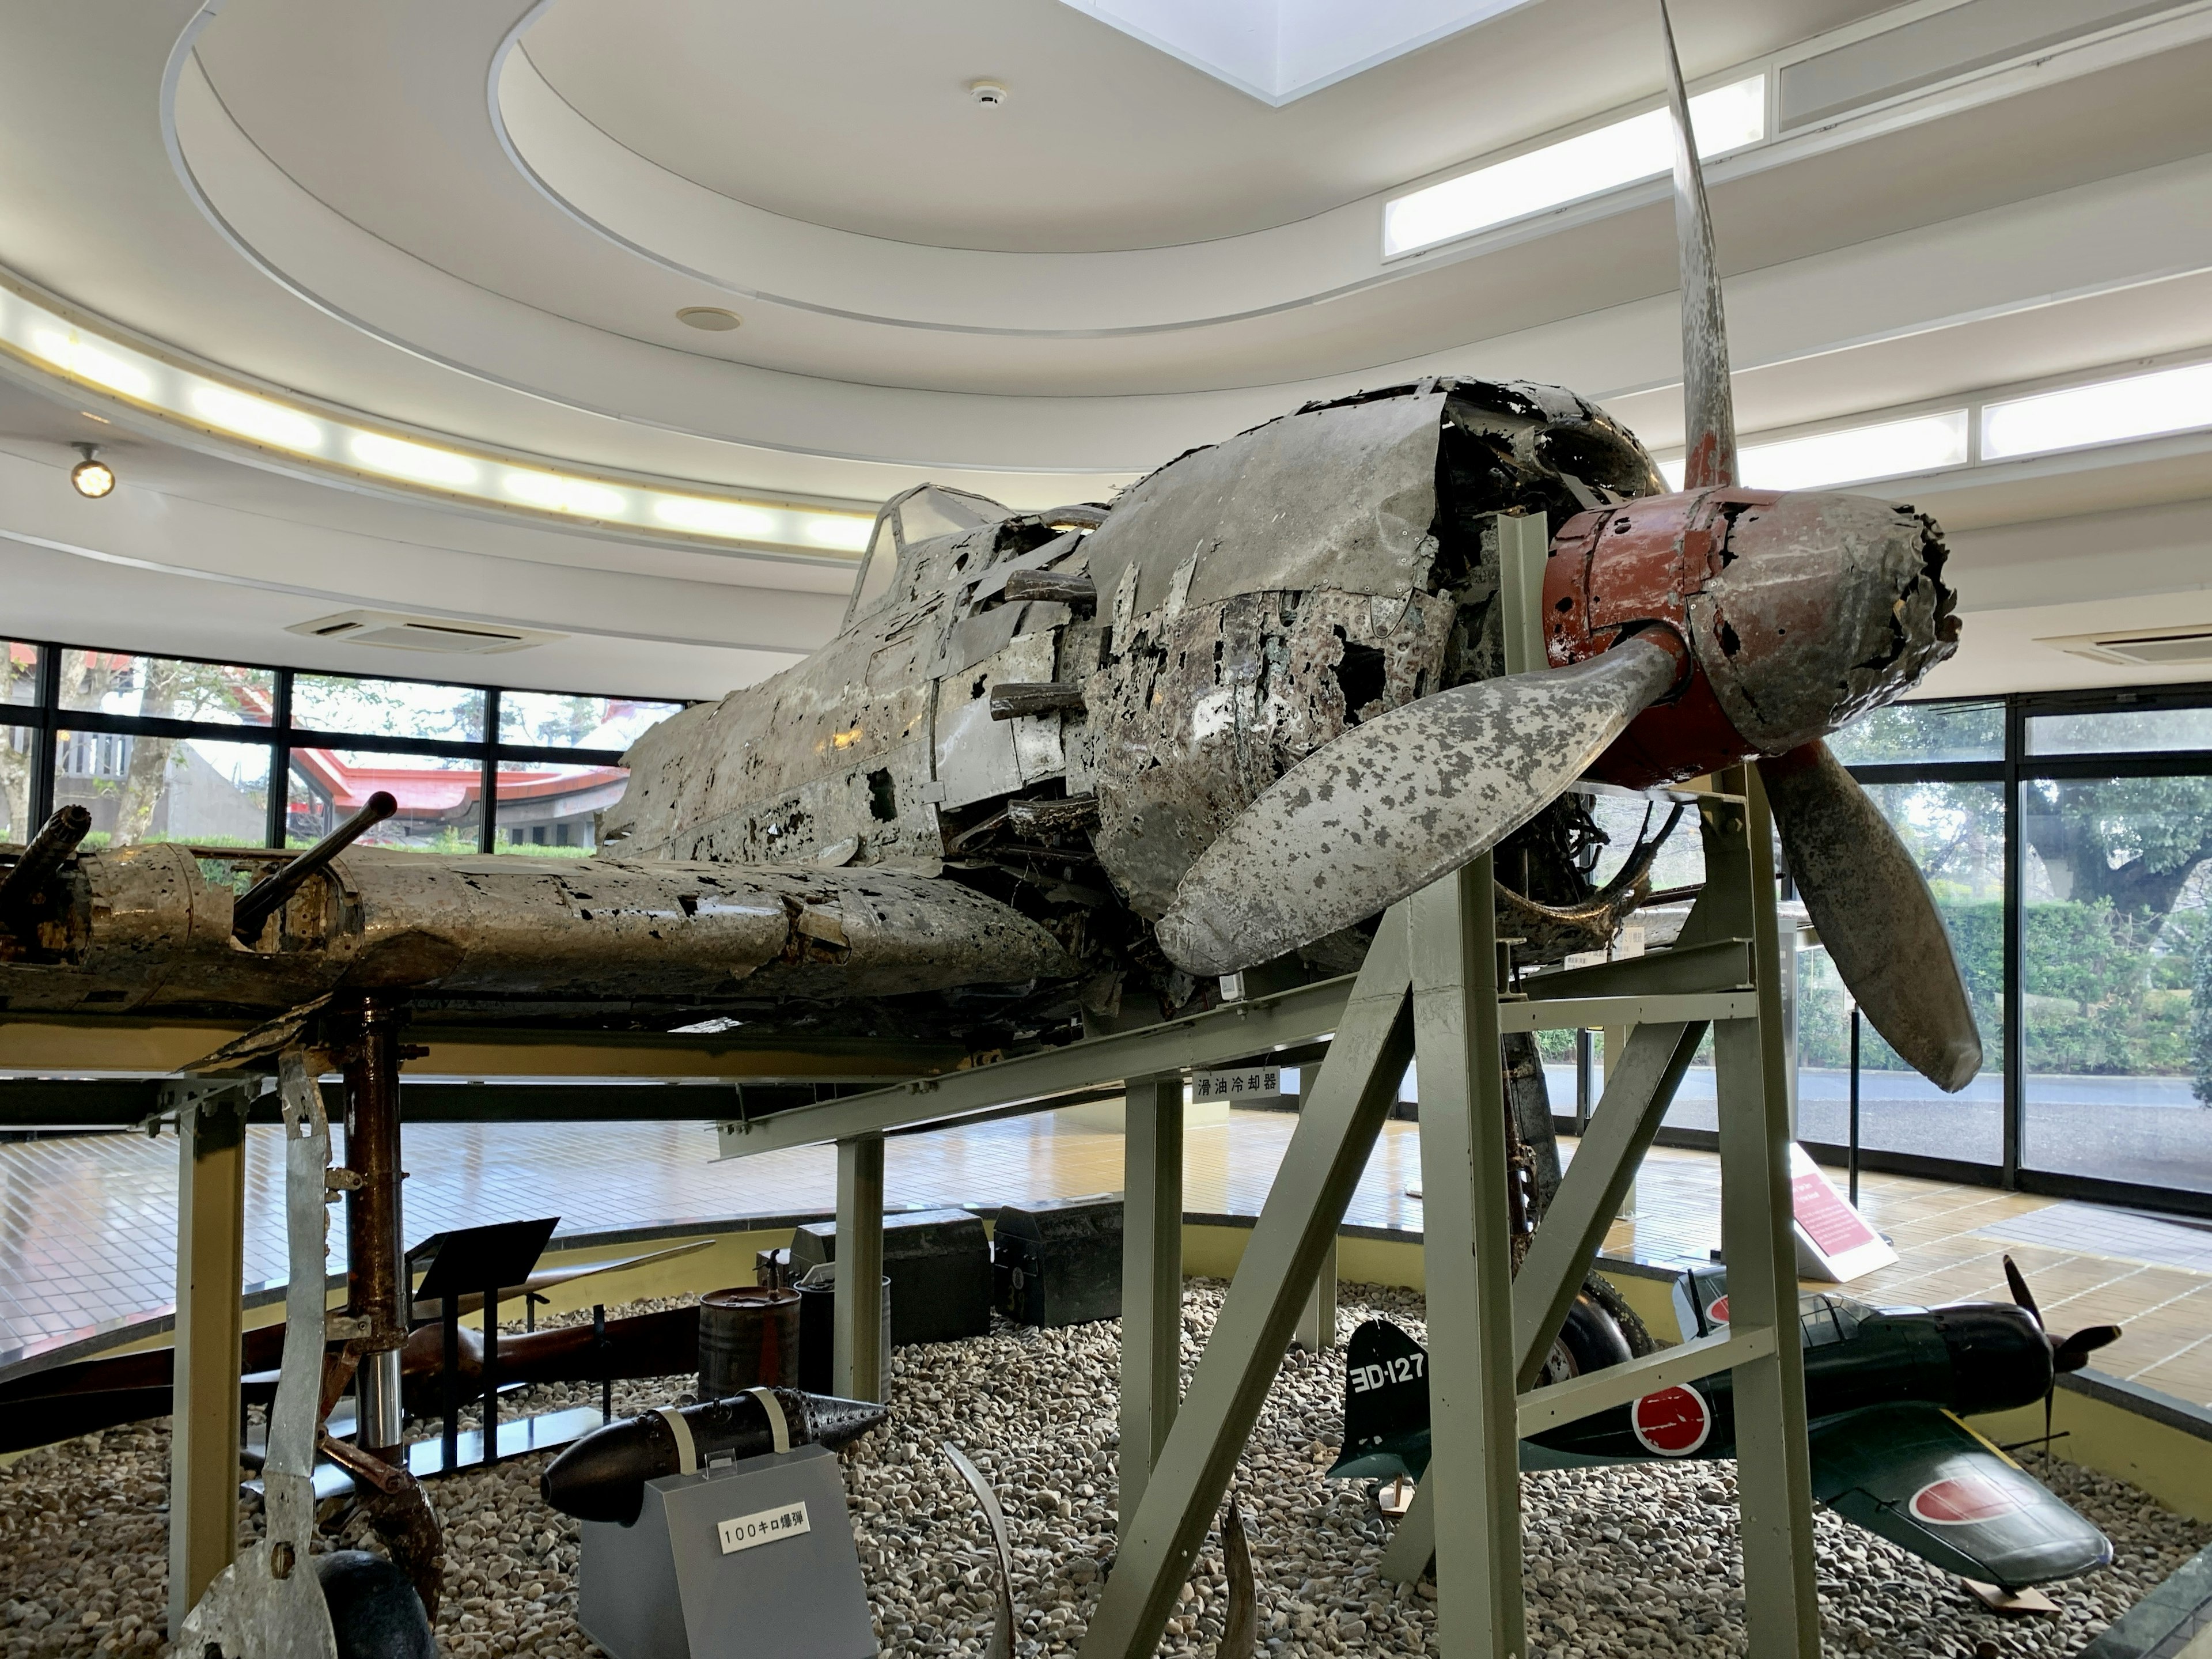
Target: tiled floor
(86, 1224)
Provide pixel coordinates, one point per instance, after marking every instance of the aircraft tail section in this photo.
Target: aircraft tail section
(1385, 1404)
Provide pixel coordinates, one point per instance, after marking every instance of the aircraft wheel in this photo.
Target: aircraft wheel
(374, 1611)
(1602, 1330)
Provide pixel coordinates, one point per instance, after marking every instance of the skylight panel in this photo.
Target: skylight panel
(1591, 163)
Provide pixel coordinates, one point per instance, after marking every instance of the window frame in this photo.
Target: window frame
(46, 719)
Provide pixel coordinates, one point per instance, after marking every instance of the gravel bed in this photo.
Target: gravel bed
(1631, 1560)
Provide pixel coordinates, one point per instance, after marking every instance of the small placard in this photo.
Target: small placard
(763, 1528)
(1250, 1082)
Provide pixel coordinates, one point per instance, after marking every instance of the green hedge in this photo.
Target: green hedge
(2102, 999)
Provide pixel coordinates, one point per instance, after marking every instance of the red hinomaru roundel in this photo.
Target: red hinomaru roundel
(1674, 1422)
(1959, 1500)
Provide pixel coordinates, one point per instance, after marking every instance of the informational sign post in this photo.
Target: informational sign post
(1834, 1240)
(753, 1557)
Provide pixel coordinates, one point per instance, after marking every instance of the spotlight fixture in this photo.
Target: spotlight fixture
(989, 94)
(92, 477)
(712, 318)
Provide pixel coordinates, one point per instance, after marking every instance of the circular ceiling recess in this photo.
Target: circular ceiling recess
(1113, 145)
(712, 318)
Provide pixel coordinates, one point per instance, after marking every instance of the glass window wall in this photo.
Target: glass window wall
(2116, 960)
(167, 688)
(172, 748)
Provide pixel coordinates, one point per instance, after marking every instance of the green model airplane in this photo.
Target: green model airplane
(1886, 1391)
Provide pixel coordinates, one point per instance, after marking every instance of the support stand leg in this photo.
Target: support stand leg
(450, 1382)
(1305, 1205)
(1316, 1332)
(211, 1275)
(377, 1284)
(1468, 1263)
(1151, 1278)
(491, 1377)
(856, 1370)
(1774, 1481)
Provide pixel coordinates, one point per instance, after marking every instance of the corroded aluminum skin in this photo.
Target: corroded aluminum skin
(1802, 610)
(1241, 586)
(155, 934)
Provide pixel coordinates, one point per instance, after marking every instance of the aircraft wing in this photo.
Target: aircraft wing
(149, 927)
(1922, 1478)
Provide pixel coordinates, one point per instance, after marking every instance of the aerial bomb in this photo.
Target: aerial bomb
(602, 1477)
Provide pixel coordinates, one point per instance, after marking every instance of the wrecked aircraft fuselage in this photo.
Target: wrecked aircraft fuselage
(965, 811)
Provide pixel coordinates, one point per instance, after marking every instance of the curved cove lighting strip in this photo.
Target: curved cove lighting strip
(59, 346)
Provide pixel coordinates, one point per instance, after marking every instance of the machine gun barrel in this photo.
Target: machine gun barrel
(58, 837)
(268, 896)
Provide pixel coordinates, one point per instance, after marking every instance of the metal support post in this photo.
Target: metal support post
(1639, 1085)
(1774, 1482)
(210, 1275)
(1320, 1170)
(857, 1369)
(1316, 1332)
(490, 1376)
(378, 1289)
(1151, 1278)
(1466, 1253)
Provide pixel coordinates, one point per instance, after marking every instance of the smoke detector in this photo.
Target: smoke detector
(397, 631)
(989, 94)
(2140, 647)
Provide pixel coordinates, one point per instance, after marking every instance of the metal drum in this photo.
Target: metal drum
(748, 1338)
(817, 1293)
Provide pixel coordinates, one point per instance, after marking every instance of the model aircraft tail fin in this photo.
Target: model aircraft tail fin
(1708, 409)
(1402, 799)
(1385, 1404)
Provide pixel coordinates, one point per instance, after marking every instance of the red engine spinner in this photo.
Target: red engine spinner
(1619, 570)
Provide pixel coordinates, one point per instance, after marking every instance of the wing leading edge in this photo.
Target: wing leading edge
(1922, 1478)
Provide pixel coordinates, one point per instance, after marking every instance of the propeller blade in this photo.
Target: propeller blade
(1400, 800)
(2074, 1352)
(1875, 914)
(2020, 1294)
(1708, 409)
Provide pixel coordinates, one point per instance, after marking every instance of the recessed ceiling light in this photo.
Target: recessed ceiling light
(712, 318)
(92, 477)
(989, 94)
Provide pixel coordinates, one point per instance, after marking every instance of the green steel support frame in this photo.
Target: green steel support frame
(1152, 1276)
(857, 1316)
(1430, 979)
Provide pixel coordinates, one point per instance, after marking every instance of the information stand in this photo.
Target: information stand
(468, 1261)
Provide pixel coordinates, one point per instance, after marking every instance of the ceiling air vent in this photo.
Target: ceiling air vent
(2141, 648)
(443, 634)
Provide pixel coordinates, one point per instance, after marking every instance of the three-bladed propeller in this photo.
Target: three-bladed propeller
(2070, 1355)
(1401, 798)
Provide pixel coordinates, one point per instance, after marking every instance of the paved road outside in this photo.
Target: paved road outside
(2147, 1129)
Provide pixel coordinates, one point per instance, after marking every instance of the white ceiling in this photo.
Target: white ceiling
(478, 218)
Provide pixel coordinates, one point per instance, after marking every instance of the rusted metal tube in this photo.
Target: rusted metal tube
(58, 837)
(1079, 593)
(377, 1287)
(267, 896)
(1010, 699)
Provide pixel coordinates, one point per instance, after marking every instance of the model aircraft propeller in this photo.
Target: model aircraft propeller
(2070, 1355)
(1402, 799)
